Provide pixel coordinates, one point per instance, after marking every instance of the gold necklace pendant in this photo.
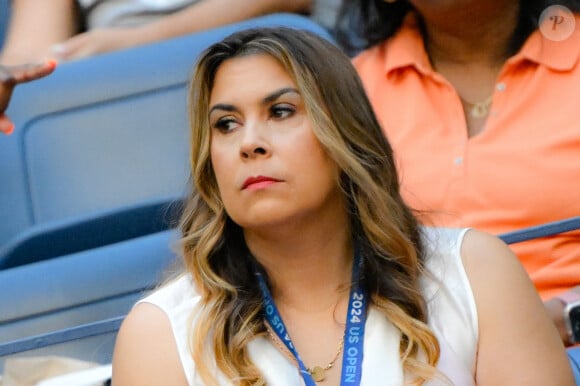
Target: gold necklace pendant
(479, 109)
(318, 373)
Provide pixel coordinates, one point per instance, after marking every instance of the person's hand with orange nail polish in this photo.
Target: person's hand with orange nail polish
(10, 77)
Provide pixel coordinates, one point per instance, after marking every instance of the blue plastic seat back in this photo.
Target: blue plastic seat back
(83, 288)
(44, 242)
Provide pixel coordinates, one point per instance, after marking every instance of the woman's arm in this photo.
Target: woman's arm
(194, 18)
(145, 350)
(518, 343)
(213, 13)
(35, 26)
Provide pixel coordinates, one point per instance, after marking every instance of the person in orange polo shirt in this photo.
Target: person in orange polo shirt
(481, 102)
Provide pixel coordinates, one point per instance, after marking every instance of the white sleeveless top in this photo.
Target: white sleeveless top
(127, 13)
(451, 310)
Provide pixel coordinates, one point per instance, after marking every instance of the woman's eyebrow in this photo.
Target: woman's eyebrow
(268, 99)
(224, 107)
(277, 94)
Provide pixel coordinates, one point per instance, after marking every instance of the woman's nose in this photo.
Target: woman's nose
(254, 144)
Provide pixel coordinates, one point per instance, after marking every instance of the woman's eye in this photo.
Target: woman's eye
(225, 124)
(281, 111)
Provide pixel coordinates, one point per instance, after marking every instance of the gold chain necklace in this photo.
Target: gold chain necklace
(318, 373)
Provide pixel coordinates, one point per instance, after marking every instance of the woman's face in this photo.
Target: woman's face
(270, 168)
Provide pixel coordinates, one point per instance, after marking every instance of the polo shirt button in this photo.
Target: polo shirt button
(458, 160)
(501, 86)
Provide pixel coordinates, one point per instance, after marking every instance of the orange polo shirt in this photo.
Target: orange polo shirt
(523, 169)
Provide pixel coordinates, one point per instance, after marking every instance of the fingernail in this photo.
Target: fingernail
(9, 130)
(51, 63)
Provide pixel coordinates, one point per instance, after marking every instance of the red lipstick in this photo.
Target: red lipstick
(258, 182)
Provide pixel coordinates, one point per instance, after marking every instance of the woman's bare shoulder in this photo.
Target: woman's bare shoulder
(518, 343)
(145, 350)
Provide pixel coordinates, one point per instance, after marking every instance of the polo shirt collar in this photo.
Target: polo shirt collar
(406, 49)
(556, 55)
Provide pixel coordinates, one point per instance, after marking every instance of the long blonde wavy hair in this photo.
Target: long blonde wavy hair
(230, 313)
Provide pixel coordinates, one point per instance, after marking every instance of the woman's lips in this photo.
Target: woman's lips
(258, 182)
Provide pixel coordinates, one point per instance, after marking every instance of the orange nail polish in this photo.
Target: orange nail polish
(10, 130)
(51, 63)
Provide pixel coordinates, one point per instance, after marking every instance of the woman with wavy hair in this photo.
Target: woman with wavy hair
(303, 263)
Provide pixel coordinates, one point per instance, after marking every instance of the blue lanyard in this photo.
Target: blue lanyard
(354, 333)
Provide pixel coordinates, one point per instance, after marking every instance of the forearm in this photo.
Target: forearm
(213, 13)
(35, 26)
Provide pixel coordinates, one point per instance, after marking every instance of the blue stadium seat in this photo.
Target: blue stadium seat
(44, 242)
(102, 134)
(64, 293)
